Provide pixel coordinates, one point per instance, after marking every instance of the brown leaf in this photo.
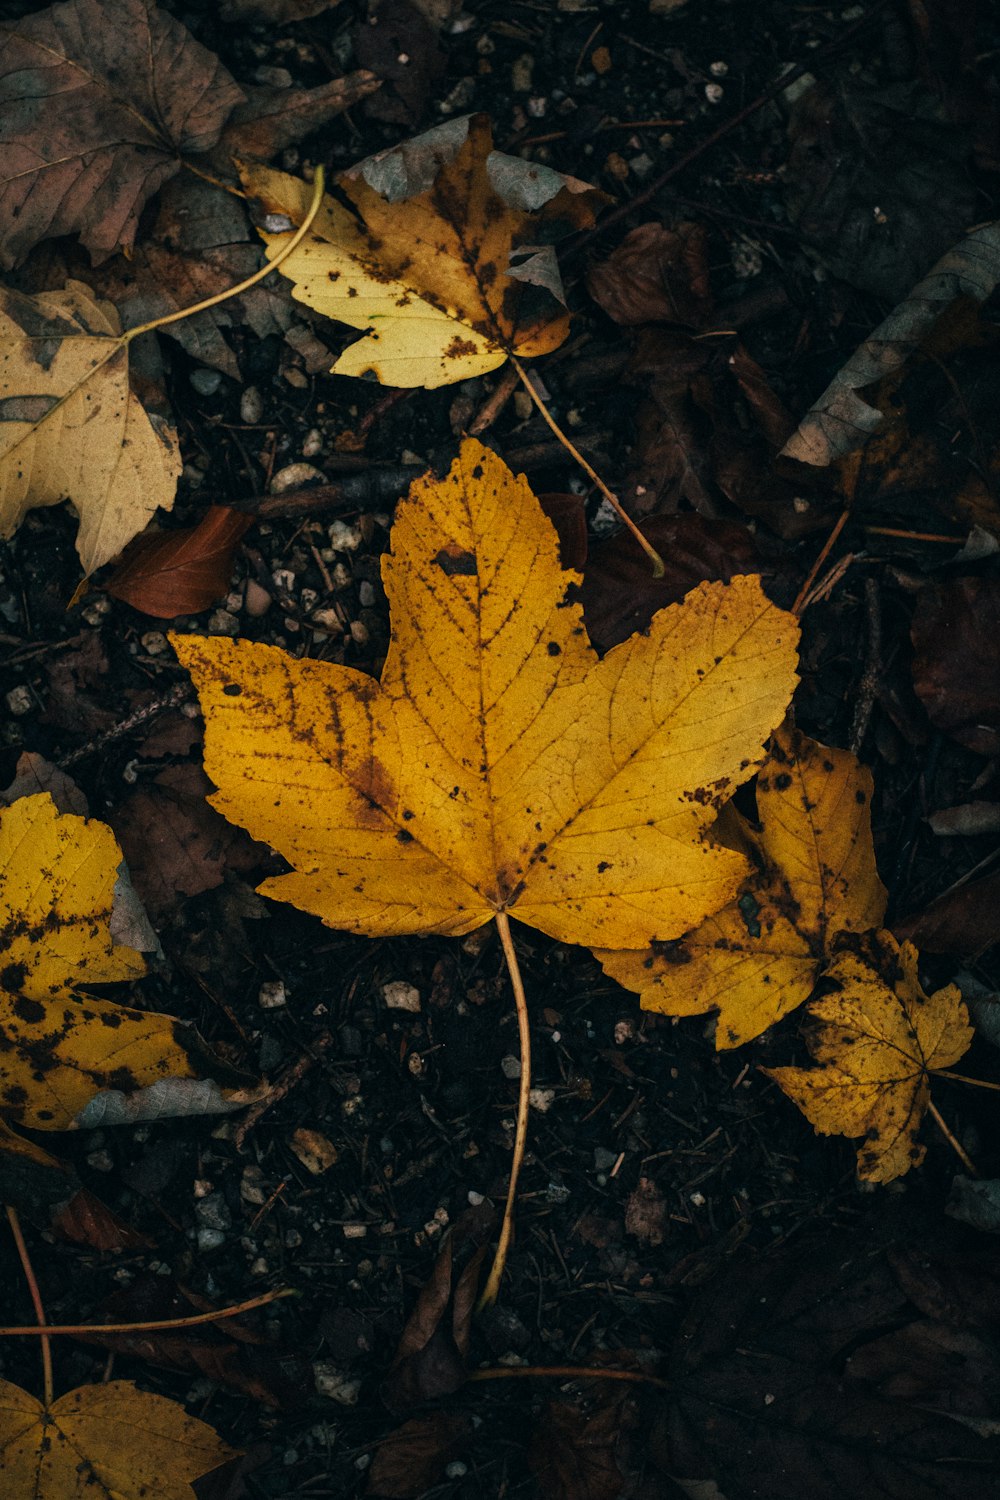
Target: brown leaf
(85, 1220)
(273, 12)
(413, 1458)
(573, 1455)
(646, 1213)
(964, 921)
(271, 119)
(76, 687)
(36, 774)
(398, 46)
(956, 666)
(620, 594)
(172, 573)
(655, 275)
(123, 89)
(175, 844)
(569, 517)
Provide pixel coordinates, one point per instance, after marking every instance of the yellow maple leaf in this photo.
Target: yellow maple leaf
(450, 269)
(499, 766)
(59, 1049)
(815, 877)
(72, 427)
(877, 1038)
(103, 1442)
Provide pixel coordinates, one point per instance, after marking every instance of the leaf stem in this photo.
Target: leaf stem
(955, 1145)
(36, 1299)
(568, 1372)
(977, 1083)
(492, 1287)
(75, 1329)
(241, 286)
(592, 474)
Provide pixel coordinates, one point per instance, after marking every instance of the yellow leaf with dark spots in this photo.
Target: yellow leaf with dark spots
(447, 264)
(59, 1048)
(815, 877)
(877, 1040)
(103, 1442)
(499, 766)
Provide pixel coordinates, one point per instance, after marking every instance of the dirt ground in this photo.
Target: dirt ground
(657, 1167)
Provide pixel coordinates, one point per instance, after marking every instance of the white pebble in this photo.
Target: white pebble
(251, 406)
(312, 447)
(344, 538)
(293, 476)
(273, 995)
(714, 93)
(19, 700)
(398, 995)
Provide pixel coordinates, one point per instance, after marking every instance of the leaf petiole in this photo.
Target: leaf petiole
(36, 1301)
(492, 1287)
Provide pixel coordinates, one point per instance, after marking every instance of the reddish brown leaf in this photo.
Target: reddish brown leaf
(956, 666)
(180, 572)
(272, 119)
(965, 921)
(573, 1455)
(655, 275)
(413, 1457)
(87, 1221)
(620, 594)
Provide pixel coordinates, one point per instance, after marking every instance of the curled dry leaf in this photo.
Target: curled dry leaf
(103, 1442)
(123, 89)
(956, 662)
(73, 428)
(426, 265)
(173, 573)
(877, 1040)
(59, 1050)
(656, 275)
(841, 420)
(499, 766)
(815, 879)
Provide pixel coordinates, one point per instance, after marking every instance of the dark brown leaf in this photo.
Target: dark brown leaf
(36, 774)
(573, 1455)
(656, 275)
(646, 1213)
(413, 1458)
(956, 666)
(273, 119)
(568, 516)
(964, 921)
(123, 89)
(398, 46)
(87, 1221)
(173, 573)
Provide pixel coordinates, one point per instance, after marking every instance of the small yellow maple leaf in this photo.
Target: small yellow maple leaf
(103, 1442)
(877, 1038)
(432, 271)
(499, 766)
(57, 1048)
(72, 427)
(815, 877)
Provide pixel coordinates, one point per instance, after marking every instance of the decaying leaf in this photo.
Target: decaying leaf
(841, 420)
(171, 573)
(815, 878)
(877, 1038)
(499, 766)
(59, 1050)
(412, 1458)
(957, 624)
(434, 273)
(72, 428)
(123, 89)
(103, 1442)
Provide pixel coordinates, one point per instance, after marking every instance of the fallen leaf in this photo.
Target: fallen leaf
(273, 12)
(74, 429)
(573, 1455)
(646, 1213)
(270, 120)
(815, 879)
(57, 882)
(967, 820)
(430, 1360)
(103, 1442)
(398, 44)
(499, 766)
(766, 1401)
(85, 1220)
(842, 420)
(877, 1039)
(36, 774)
(413, 1457)
(655, 275)
(965, 920)
(31, 1180)
(123, 89)
(171, 573)
(956, 661)
(429, 273)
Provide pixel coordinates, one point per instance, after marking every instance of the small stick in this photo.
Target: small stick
(592, 475)
(917, 536)
(76, 1329)
(803, 593)
(492, 1287)
(289, 1078)
(495, 402)
(569, 1372)
(955, 1145)
(36, 1298)
(173, 699)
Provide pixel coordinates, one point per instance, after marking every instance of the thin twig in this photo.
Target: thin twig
(76, 1329)
(492, 1286)
(592, 474)
(955, 1145)
(803, 594)
(43, 1332)
(569, 1372)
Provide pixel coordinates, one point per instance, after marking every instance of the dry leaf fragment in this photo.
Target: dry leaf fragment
(72, 427)
(98, 99)
(760, 956)
(428, 272)
(103, 1442)
(499, 766)
(877, 1040)
(171, 573)
(57, 1051)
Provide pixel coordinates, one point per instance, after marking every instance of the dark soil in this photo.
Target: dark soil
(656, 1162)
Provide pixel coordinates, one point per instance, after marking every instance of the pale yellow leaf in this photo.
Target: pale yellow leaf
(815, 877)
(103, 1442)
(71, 428)
(877, 1038)
(499, 766)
